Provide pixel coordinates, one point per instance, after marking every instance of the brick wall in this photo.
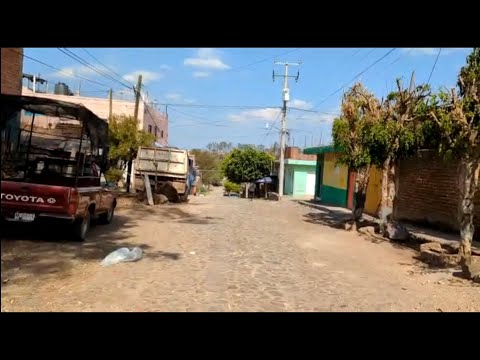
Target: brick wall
(296, 153)
(11, 83)
(12, 68)
(428, 192)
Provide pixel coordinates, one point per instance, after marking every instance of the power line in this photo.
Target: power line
(434, 65)
(60, 70)
(105, 66)
(371, 51)
(265, 59)
(82, 61)
(214, 123)
(94, 68)
(356, 52)
(357, 76)
(217, 106)
(272, 127)
(313, 111)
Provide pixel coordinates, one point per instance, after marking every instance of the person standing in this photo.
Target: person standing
(251, 191)
(193, 181)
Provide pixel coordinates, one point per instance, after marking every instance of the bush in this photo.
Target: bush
(232, 187)
(203, 189)
(114, 174)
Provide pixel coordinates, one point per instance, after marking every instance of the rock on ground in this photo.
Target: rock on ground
(396, 231)
(160, 199)
(215, 254)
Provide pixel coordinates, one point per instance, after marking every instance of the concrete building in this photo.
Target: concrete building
(299, 173)
(11, 83)
(333, 185)
(427, 189)
(149, 119)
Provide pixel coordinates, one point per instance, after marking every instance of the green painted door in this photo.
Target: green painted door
(299, 182)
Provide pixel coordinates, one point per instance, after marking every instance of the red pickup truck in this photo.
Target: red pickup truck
(45, 195)
(52, 176)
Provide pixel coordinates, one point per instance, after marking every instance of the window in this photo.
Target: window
(156, 131)
(161, 134)
(150, 129)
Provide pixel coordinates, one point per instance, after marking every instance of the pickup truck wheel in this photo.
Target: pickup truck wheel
(107, 217)
(81, 228)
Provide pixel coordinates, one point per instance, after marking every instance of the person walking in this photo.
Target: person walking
(251, 191)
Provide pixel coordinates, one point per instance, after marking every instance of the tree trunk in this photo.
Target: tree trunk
(468, 183)
(129, 170)
(361, 185)
(388, 193)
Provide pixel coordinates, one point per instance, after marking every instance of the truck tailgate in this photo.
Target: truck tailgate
(34, 197)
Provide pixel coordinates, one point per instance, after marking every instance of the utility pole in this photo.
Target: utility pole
(137, 97)
(79, 87)
(110, 104)
(138, 94)
(285, 98)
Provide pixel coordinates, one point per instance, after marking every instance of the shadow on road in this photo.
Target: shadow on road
(330, 219)
(49, 251)
(176, 214)
(337, 218)
(164, 255)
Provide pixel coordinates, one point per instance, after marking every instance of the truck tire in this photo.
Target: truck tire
(107, 217)
(184, 197)
(81, 228)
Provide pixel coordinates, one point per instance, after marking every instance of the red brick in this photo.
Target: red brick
(12, 69)
(428, 192)
(295, 153)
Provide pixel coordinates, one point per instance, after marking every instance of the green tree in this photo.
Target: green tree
(247, 164)
(352, 134)
(458, 118)
(398, 134)
(125, 139)
(220, 147)
(210, 166)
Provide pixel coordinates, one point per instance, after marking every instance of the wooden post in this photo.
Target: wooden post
(148, 189)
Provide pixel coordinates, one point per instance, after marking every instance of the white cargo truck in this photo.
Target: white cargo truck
(167, 169)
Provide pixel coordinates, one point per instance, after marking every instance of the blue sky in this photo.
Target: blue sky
(238, 82)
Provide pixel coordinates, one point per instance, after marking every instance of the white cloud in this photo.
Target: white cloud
(266, 114)
(147, 76)
(177, 98)
(301, 104)
(431, 51)
(165, 67)
(294, 119)
(200, 74)
(313, 117)
(325, 118)
(173, 96)
(73, 71)
(206, 58)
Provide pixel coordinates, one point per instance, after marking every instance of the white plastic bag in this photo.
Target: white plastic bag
(122, 255)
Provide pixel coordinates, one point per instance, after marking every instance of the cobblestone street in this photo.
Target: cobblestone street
(225, 254)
